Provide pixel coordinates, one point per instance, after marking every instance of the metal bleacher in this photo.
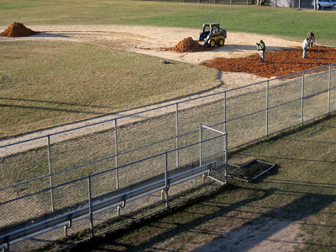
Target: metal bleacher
(117, 198)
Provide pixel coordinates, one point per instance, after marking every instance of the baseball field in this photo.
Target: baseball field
(93, 58)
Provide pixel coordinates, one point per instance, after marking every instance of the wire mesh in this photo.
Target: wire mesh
(125, 162)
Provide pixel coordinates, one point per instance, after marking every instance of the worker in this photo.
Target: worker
(311, 38)
(261, 49)
(304, 47)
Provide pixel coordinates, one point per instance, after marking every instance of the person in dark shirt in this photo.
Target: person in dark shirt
(261, 47)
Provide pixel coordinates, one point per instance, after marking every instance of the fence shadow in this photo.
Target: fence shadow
(260, 229)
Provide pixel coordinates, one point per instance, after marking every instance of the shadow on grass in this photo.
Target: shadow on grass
(109, 239)
(298, 209)
(246, 237)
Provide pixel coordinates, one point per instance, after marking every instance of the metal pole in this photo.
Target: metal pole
(200, 139)
(225, 144)
(90, 205)
(177, 137)
(116, 151)
(226, 152)
(302, 98)
(50, 176)
(166, 179)
(329, 89)
(267, 100)
(224, 111)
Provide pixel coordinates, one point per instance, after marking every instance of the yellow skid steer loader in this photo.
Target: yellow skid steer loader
(212, 34)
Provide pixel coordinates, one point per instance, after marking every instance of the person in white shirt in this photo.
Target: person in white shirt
(304, 47)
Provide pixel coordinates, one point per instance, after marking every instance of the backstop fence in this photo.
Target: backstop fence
(223, 2)
(100, 176)
(275, 3)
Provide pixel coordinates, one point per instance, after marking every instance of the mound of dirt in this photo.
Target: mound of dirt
(277, 63)
(18, 30)
(188, 45)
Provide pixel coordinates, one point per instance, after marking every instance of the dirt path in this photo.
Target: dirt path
(150, 40)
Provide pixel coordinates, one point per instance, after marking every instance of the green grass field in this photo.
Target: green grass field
(255, 19)
(46, 84)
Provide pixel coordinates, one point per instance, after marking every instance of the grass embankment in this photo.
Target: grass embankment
(46, 84)
(300, 189)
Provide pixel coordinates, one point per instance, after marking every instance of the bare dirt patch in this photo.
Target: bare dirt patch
(277, 63)
(163, 42)
(238, 55)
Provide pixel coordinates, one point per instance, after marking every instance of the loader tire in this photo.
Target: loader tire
(220, 42)
(212, 42)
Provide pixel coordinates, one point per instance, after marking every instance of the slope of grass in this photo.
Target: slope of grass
(46, 84)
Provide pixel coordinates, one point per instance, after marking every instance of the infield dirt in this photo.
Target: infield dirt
(238, 55)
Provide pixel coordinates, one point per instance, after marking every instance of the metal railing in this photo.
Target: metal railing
(46, 173)
(95, 195)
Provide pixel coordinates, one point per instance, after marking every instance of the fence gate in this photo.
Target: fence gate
(213, 148)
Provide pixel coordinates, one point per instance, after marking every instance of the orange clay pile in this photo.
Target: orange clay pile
(188, 45)
(17, 30)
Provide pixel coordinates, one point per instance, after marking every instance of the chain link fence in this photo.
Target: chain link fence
(224, 2)
(101, 176)
(276, 3)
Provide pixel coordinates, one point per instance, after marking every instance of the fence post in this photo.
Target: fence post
(200, 140)
(225, 153)
(267, 105)
(50, 176)
(329, 89)
(225, 111)
(302, 98)
(116, 151)
(177, 138)
(90, 205)
(166, 179)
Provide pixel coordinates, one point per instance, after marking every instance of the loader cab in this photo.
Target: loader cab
(212, 30)
(209, 29)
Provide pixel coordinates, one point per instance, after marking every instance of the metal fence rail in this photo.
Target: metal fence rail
(46, 174)
(92, 195)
